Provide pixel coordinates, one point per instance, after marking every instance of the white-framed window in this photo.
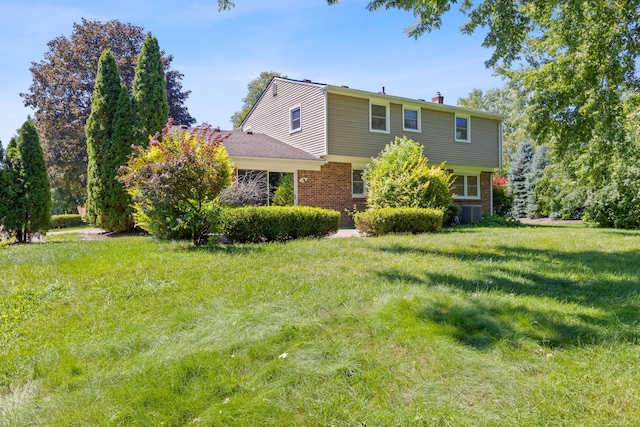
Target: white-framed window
(378, 116)
(295, 119)
(466, 186)
(411, 120)
(463, 128)
(358, 186)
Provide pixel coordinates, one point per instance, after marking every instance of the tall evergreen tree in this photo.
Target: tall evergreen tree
(27, 191)
(149, 91)
(99, 134)
(518, 172)
(538, 164)
(117, 215)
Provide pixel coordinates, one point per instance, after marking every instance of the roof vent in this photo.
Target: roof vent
(421, 99)
(306, 81)
(345, 86)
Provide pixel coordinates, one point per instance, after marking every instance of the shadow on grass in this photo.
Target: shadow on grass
(588, 297)
(229, 249)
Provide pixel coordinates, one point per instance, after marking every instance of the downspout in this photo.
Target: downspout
(295, 188)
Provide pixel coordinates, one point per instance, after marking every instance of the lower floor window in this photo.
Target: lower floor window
(359, 189)
(466, 186)
(257, 187)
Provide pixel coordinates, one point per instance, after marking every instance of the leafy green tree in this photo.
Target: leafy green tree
(176, 182)
(399, 177)
(149, 91)
(99, 134)
(27, 190)
(254, 90)
(61, 89)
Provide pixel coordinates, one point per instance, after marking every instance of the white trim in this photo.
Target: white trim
(274, 164)
(356, 162)
(455, 127)
(418, 111)
(291, 110)
(387, 108)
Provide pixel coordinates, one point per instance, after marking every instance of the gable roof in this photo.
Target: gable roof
(247, 144)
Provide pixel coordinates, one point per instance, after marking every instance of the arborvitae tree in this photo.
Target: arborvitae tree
(149, 91)
(518, 172)
(28, 191)
(117, 215)
(540, 161)
(99, 132)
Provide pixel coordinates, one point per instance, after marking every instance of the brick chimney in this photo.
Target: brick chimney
(438, 98)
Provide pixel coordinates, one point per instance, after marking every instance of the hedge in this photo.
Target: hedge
(277, 223)
(66, 221)
(376, 222)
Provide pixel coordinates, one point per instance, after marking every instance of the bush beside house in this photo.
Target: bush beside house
(277, 223)
(377, 222)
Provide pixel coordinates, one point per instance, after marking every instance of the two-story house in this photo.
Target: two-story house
(337, 130)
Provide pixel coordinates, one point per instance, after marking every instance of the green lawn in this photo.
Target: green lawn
(522, 326)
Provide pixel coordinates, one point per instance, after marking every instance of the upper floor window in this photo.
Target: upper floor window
(379, 117)
(411, 119)
(295, 123)
(466, 186)
(358, 186)
(463, 130)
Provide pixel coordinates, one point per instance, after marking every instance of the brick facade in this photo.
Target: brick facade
(330, 188)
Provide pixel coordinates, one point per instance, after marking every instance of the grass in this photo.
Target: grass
(518, 326)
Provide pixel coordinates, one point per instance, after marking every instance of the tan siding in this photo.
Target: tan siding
(349, 135)
(271, 116)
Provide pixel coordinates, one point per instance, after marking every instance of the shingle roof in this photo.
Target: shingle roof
(254, 145)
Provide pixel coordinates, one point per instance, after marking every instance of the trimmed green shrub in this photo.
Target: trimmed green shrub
(67, 221)
(277, 223)
(376, 222)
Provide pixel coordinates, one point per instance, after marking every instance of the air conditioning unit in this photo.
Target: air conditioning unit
(470, 214)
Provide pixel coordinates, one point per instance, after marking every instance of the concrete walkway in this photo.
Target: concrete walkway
(344, 233)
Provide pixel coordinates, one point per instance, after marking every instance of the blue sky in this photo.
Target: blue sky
(219, 53)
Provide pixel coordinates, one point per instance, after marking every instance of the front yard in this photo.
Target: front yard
(518, 326)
